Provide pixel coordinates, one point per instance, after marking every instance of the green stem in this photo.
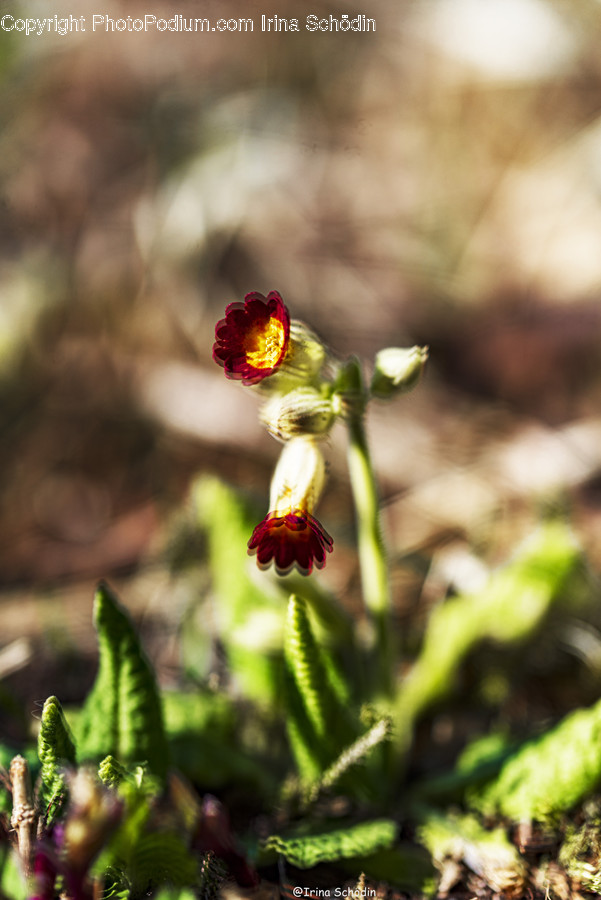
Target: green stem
(372, 555)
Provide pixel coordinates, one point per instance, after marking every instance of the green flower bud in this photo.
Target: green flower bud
(303, 411)
(397, 370)
(307, 353)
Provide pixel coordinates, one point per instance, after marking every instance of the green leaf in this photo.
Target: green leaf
(405, 866)
(56, 748)
(549, 774)
(313, 677)
(343, 843)
(478, 764)
(204, 729)
(175, 894)
(333, 620)
(302, 655)
(318, 724)
(508, 610)
(140, 856)
(112, 773)
(12, 883)
(122, 715)
(306, 748)
(161, 858)
(249, 622)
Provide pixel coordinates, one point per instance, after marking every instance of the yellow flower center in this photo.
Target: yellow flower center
(268, 342)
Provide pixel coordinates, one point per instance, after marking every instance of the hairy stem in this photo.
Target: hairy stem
(372, 555)
(23, 817)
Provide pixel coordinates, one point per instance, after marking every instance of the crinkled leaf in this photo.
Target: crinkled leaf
(304, 658)
(509, 609)
(318, 723)
(122, 715)
(343, 843)
(305, 746)
(112, 773)
(161, 858)
(549, 774)
(56, 748)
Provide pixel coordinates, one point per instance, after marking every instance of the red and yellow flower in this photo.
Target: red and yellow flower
(253, 338)
(293, 539)
(290, 535)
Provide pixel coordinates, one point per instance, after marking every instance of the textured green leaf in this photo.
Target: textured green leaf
(307, 750)
(325, 606)
(122, 715)
(549, 774)
(478, 764)
(56, 748)
(343, 843)
(328, 717)
(159, 858)
(139, 856)
(508, 610)
(211, 712)
(318, 723)
(111, 772)
(302, 655)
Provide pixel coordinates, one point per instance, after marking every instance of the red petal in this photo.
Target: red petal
(296, 539)
(237, 346)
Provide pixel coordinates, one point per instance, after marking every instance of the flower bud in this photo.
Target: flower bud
(397, 370)
(303, 411)
(299, 476)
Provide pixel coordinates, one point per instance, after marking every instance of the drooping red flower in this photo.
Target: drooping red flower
(294, 539)
(252, 340)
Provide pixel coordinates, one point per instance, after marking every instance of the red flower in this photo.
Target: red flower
(252, 340)
(295, 538)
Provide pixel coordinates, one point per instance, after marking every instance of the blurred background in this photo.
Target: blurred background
(437, 181)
